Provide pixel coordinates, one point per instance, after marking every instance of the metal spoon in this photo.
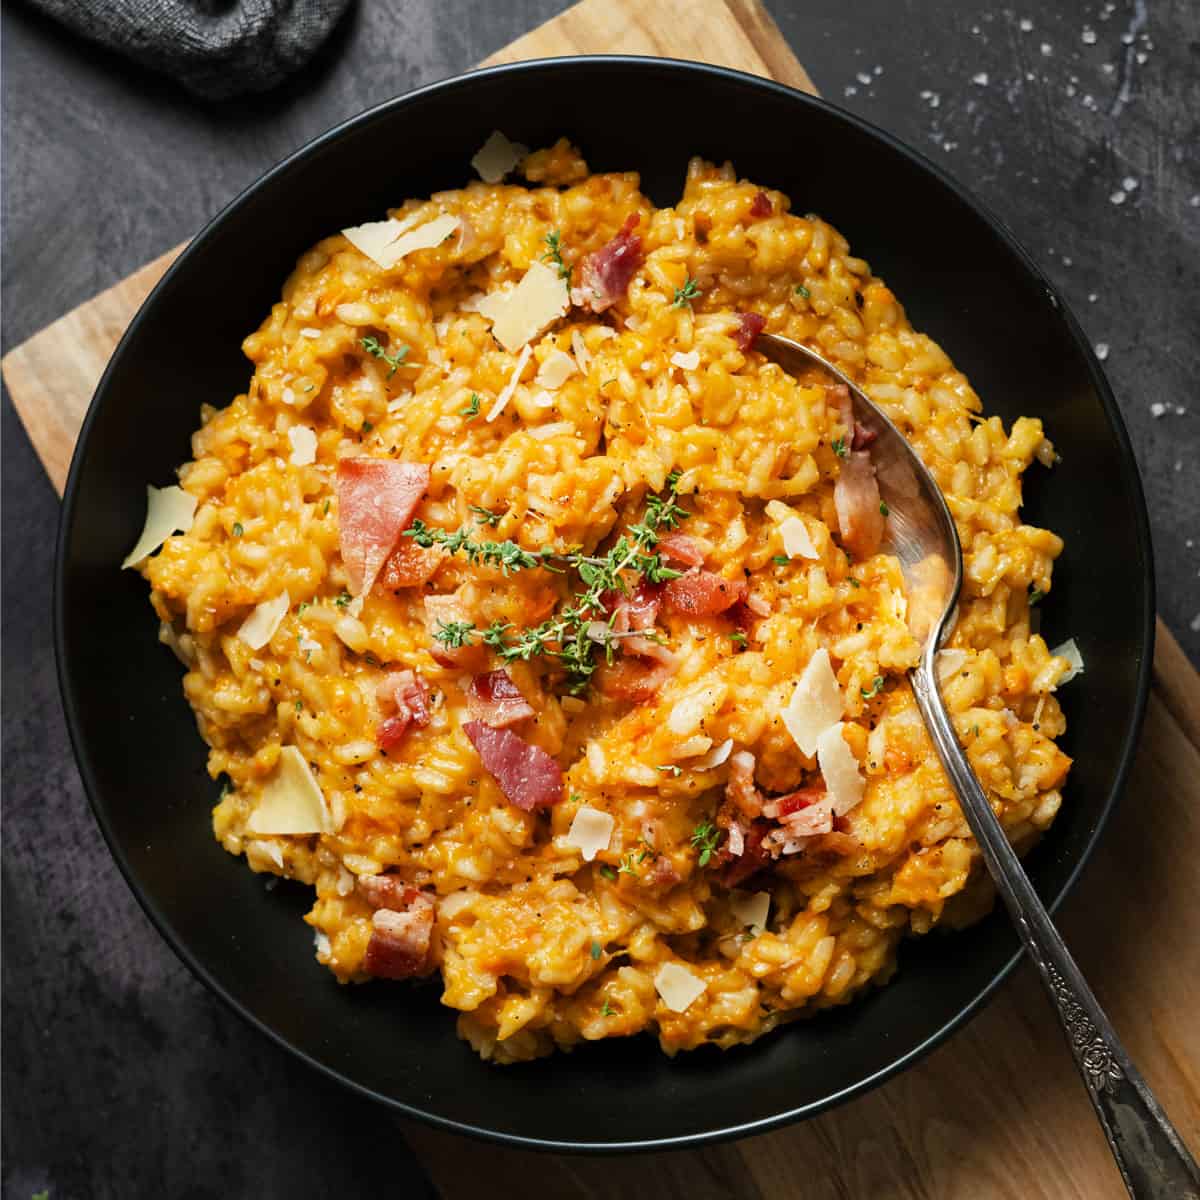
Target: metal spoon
(1152, 1158)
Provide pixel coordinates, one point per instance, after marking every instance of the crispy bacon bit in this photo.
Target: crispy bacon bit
(404, 692)
(632, 678)
(809, 821)
(684, 550)
(856, 499)
(411, 565)
(793, 802)
(741, 788)
(753, 858)
(376, 501)
(605, 274)
(496, 701)
(761, 206)
(527, 775)
(863, 437)
(399, 945)
(390, 733)
(387, 891)
(749, 326)
(662, 873)
(702, 593)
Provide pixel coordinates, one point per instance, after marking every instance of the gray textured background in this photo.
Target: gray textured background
(122, 1076)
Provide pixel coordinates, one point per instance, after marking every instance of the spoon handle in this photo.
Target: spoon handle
(1151, 1156)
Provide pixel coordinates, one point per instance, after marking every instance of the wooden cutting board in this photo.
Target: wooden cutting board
(997, 1111)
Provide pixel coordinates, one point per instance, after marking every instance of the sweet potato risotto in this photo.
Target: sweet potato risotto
(550, 633)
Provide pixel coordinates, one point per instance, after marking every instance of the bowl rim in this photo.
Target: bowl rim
(1111, 411)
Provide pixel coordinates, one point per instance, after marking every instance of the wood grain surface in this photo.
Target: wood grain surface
(997, 1111)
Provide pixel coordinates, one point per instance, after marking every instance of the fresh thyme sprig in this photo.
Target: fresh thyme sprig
(372, 346)
(575, 631)
(686, 294)
(705, 838)
(554, 253)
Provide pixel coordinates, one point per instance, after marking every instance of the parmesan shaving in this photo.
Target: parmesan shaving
(590, 832)
(843, 779)
(168, 510)
(751, 908)
(533, 305)
(686, 362)
(797, 542)
(291, 801)
(816, 703)
(715, 757)
(304, 446)
(259, 627)
(677, 986)
(555, 371)
(510, 387)
(385, 243)
(579, 348)
(1070, 651)
(497, 156)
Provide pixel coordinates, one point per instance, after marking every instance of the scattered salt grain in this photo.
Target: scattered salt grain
(878, 70)
(851, 90)
(1118, 197)
(863, 78)
(1088, 36)
(1070, 89)
(1158, 410)
(981, 79)
(1092, 297)
(1047, 49)
(1089, 101)
(1101, 350)
(1107, 68)
(1025, 25)
(1129, 183)
(1194, 624)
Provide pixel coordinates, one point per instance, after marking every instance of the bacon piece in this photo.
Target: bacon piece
(444, 610)
(605, 273)
(387, 891)
(793, 802)
(405, 692)
(632, 678)
(753, 858)
(399, 945)
(761, 206)
(376, 501)
(863, 437)
(809, 821)
(390, 733)
(527, 775)
(684, 550)
(749, 326)
(663, 873)
(702, 593)
(856, 499)
(740, 787)
(496, 701)
(410, 565)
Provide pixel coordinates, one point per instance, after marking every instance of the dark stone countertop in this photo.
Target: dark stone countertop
(122, 1076)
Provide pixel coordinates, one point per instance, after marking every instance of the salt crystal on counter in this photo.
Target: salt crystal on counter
(1088, 36)
(1025, 25)
(1101, 350)
(981, 79)
(1117, 197)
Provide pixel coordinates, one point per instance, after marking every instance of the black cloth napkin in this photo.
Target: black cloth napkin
(215, 48)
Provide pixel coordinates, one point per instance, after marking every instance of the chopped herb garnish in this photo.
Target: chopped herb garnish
(975, 730)
(705, 838)
(1035, 595)
(485, 516)
(343, 600)
(596, 949)
(370, 659)
(801, 290)
(554, 253)
(372, 346)
(299, 707)
(237, 529)
(876, 688)
(472, 406)
(225, 790)
(301, 607)
(840, 448)
(607, 871)
(326, 509)
(739, 639)
(453, 634)
(367, 427)
(670, 767)
(606, 1010)
(686, 294)
(627, 864)
(883, 508)
(780, 560)
(854, 583)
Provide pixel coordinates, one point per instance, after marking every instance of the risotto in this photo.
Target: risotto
(540, 625)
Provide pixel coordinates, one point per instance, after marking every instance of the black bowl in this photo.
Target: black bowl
(964, 281)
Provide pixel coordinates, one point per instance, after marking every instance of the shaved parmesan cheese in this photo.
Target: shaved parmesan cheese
(1070, 652)
(580, 350)
(797, 543)
(385, 243)
(678, 986)
(950, 662)
(510, 387)
(751, 908)
(843, 779)
(555, 371)
(473, 303)
(687, 362)
(304, 446)
(497, 156)
(291, 800)
(259, 627)
(816, 704)
(590, 832)
(168, 510)
(715, 757)
(535, 303)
